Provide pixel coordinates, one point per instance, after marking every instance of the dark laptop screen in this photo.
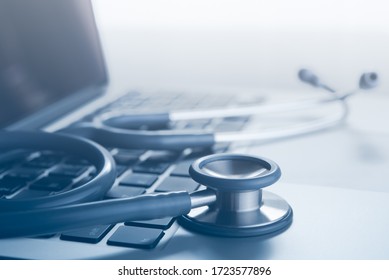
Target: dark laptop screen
(49, 50)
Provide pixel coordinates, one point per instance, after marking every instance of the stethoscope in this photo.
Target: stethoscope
(233, 203)
(117, 129)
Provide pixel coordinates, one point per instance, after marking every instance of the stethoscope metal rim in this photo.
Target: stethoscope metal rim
(274, 208)
(253, 212)
(265, 179)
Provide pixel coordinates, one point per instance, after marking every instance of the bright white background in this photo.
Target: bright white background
(259, 46)
(153, 44)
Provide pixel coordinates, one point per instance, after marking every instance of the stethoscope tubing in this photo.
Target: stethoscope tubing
(120, 119)
(72, 145)
(308, 127)
(68, 217)
(249, 110)
(108, 130)
(77, 208)
(71, 209)
(139, 139)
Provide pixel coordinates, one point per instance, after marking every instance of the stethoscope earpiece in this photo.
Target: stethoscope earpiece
(307, 76)
(368, 80)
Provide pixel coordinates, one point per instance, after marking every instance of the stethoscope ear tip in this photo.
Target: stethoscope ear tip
(307, 76)
(368, 80)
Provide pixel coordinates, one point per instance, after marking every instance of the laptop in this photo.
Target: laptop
(51, 64)
(53, 74)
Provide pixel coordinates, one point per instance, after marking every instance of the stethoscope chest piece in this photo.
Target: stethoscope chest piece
(241, 208)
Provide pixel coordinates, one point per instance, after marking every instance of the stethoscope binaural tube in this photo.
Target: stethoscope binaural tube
(112, 129)
(119, 128)
(140, 139)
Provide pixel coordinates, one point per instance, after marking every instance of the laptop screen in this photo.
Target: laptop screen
(49, 51)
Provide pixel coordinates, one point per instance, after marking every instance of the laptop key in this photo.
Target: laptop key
(138, 179)
(227, 126)
(120, 169)
(28, 193)
(163, 223)
(127, 156)
(93, 234)
(3, 168)
(51, 183)
(182, 168)
(136, 237)
(77, 161)
(220, 147)
(197, 124)
(136, 152)
(24, 173)
(69, 170)
(157, 162)
(44, 236)
(173, 183)
(82, 181)
(120, 192)
(125, 159)
(45, 160)
(151, 167)
(9, 185)
(162, 156)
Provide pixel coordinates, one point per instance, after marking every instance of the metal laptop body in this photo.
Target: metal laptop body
(50, 61)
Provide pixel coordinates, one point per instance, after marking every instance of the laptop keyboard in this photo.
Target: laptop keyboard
(27, 174)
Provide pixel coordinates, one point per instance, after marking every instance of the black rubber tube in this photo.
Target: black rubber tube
(138, 139)
(94, 189)
(135, 121)
(59, 219)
